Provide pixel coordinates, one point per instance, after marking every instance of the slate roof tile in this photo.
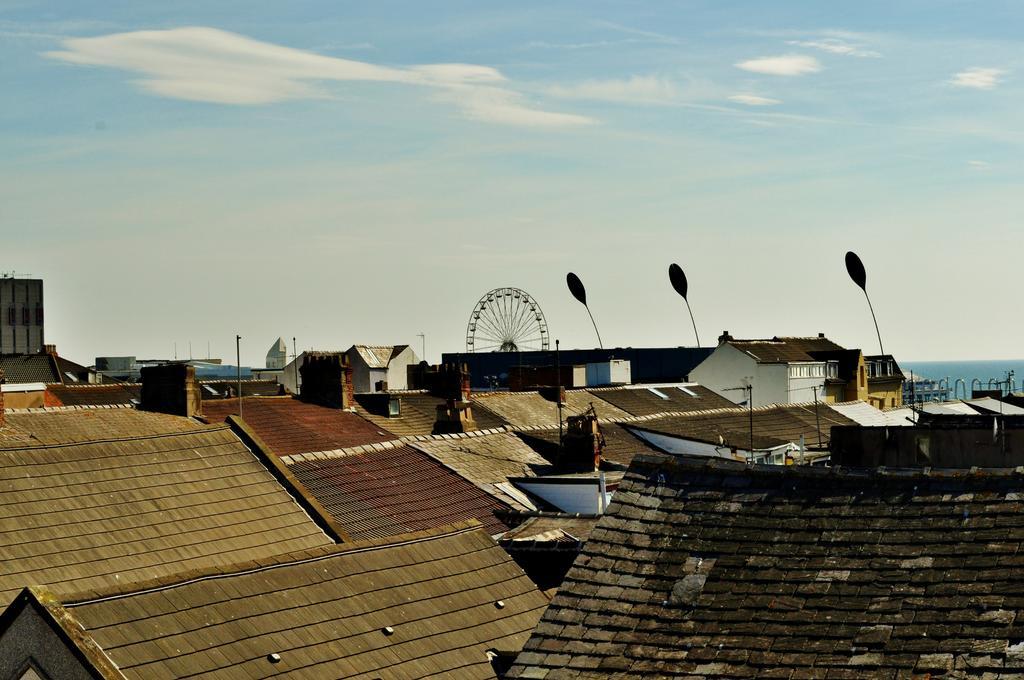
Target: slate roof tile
(91, 514)
(29, 368)
(714, 568)
(639, 400)
(323, 612)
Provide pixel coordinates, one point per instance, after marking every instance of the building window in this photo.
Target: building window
(39, 314)
(12, 316)
(25, 320)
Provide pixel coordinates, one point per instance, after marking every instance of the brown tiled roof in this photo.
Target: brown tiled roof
(44, 427)
(419, 412)
(531, 410)
(716, 569)
(645, 401)
(396, 490)
(29, 368)
(289, 426)
(620, 444)
(95, 395)
(785, 349)
(773, 425)
(324, 612)
(487, 460)
(92, 514)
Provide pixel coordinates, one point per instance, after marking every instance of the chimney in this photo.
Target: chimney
(582, 444)
(821, 335)
(327, 380)
(50, 349)
(455, 414)
(724, 337)
(2, 381)
(172, 389)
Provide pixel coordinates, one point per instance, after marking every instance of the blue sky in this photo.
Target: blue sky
(363, 172)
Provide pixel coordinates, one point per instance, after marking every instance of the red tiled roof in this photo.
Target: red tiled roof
(289, 426)
(386, 493)
(94, 395)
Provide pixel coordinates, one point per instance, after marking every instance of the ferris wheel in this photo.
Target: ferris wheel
(506, 320)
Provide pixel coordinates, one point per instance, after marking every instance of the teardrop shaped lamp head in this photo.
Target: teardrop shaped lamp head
(576, 288)
(856, 270)
(678, 279)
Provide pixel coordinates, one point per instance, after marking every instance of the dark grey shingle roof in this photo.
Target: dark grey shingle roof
(716, 569)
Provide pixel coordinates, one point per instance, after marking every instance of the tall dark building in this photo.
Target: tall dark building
(21, 315)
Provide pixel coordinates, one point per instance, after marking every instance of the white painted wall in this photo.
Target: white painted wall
(568, 497)
(728, 367)
(724, 369)
(398, 371)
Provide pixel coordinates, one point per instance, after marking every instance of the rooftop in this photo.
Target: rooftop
(91, 514)
(785, 349)
(391, 489)
(774, 425)
(710, 568)
(290, 426)
(488, 460)
(69, 425)
(418, 415)
(431, 605)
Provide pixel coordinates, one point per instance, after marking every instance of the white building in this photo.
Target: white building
(379, 367)
(277, 355)
(779, 370)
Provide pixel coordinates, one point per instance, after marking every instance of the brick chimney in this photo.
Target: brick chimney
(2, 381)
(582, 444)
(327, 380)
(451, 383)
(724, 337)
(172, 389)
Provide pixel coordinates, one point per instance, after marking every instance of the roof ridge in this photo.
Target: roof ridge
(389, 444)
(158, 435)
(725, 465)
(72, 407)
(279, 561)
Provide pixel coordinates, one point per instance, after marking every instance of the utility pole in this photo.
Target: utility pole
(817, 418)
(558, 396)
(238, 367)
(750, 410)
(295, 363)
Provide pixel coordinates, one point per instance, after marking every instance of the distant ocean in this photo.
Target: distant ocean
(969, 371)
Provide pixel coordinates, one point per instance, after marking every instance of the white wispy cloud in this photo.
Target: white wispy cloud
(783, 65)
(753, 100)
(632, 90)
(834, 46)
(977, 78)
(978, 165)
(211, 65)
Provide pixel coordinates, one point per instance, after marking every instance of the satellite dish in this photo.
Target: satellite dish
(678, 279)
(855, 268)
(576, 288)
